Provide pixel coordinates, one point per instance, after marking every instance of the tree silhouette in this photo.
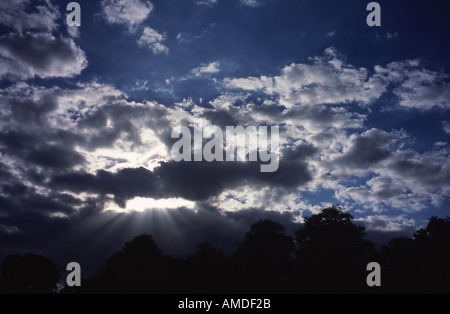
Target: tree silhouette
(264, 259)
(137, 268)
(332, 254)
(207, 270)
(30, 273)
(420, 264)
(400, 268)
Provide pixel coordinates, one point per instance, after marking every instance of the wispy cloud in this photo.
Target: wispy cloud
(153, 40)
(204, 69)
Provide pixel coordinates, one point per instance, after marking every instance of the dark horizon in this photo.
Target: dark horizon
(328, 254)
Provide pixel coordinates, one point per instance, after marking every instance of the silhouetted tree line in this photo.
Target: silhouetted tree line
(327, 255)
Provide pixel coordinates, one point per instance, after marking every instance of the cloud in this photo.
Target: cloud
(248, 3)
(430, 168)
(400, 178)
(367, 149)
(446, 127)
(187, 180)
(388, 223)
(8, 230)
(328, 79)
(130, 13)
(31, 49)
(382, 192)
(418, 94)
(251, 3)
(41, 55)
(152, 40)
(207, 2)
(205, 69)
(325, 80)
(31, 149)
(16, 14)
(415, 86)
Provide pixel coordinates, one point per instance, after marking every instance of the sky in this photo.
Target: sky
(86, 115)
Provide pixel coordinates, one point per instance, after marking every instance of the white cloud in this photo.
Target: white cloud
(152, 40)
(419, 95)
(328, 79)
(248, 197)
(416, 87)
(209, 68)
(73, 31)
(127, 12)
(132, 13)
(324, 80)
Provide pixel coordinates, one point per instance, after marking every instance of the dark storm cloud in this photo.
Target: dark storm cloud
(198, 181)
(221, 118)
(25, 111)
(124, 184)
(431, 169)
(22, 200)
(40, 55)
(318, 114)
(40, 50)
(366, 150)
(28, 212)
(35, 151)
(300, 152)
(38, 15)
(5, 174)
(190, 180)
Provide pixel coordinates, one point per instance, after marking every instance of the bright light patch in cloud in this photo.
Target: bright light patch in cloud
(140, 204)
